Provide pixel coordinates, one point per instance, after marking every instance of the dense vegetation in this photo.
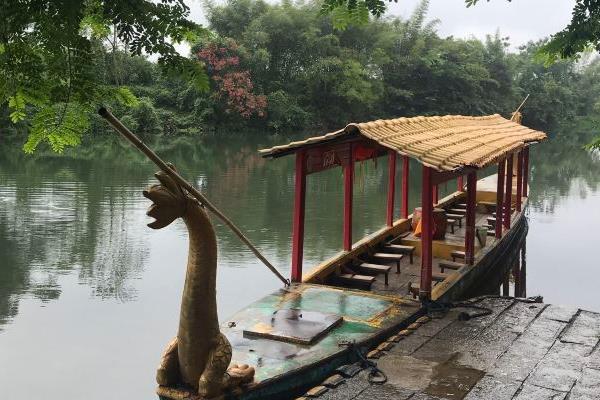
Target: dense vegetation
(285, 68)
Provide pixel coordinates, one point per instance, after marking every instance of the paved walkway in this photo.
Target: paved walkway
(522, 350)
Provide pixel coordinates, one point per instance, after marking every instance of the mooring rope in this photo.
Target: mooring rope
(376, 376)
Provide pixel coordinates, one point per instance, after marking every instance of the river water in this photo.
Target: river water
(89, 295)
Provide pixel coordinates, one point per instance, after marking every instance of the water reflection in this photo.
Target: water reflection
(73, 240)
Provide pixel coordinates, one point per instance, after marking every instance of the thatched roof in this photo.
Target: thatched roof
(445, 143)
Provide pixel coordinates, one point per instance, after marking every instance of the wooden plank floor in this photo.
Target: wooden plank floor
(411, 273)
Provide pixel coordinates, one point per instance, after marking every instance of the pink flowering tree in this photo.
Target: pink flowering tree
(233, 85)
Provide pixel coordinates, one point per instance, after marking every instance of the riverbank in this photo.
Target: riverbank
(521, 350)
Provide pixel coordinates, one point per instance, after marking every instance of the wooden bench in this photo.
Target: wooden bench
(376, 269)
(450, 265)
(438, 277)
(356, 280)
(458, 211)
(457, 254)
(402, 249)
(390, 257)
(451, 223)
(457, 217)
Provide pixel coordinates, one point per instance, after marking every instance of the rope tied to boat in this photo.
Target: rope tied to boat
(376, 376)
(438, 310)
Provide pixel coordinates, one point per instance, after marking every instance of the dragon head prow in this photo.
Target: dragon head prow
(170, 201)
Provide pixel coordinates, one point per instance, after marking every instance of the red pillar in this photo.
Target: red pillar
(405, 187)
(500, 198)
(391, 188)
(348, 183)
(525, 171)
(298, 222)
(426, 234)
(508, 192)
(470, 220)
(519, 180)
(460, 184)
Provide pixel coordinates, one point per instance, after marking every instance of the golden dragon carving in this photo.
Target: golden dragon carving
(199, 356)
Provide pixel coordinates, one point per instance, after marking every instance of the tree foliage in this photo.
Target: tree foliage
(51, 58)
(582, 32)
(285, 67)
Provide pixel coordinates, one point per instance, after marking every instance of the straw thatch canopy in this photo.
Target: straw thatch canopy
(444, 143)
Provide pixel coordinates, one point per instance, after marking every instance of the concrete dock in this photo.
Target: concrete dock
(521, 350)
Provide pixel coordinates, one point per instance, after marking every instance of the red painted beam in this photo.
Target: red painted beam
(405, 171)
(508, 192)
(391, 188)
(460, 184)
(519, 180)
(500, 198)
(298, 222)
(470, 220)
(525, 171)
(348, 189)
(426, 234)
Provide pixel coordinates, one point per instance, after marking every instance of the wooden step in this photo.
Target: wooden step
(458, 211)
(491, 221)
(450, 265)
(390, 257)
(491, 232)
(461, 205)
(402, 249)
(368, 268)
(356, 280)
(457, 254)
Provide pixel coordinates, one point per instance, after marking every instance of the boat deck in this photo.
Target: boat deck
(398, 284)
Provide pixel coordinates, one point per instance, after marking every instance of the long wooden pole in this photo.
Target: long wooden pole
(131, 137)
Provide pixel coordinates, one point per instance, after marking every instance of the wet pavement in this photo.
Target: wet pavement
(521, 350)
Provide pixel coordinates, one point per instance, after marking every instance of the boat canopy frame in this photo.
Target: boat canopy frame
(450, 147)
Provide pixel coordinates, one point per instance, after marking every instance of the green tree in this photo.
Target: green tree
(581, 33)
(50, 58)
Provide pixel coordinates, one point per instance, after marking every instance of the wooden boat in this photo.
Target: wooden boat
(373, 287)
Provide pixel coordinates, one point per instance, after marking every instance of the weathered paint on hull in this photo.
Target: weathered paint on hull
(284, 370)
